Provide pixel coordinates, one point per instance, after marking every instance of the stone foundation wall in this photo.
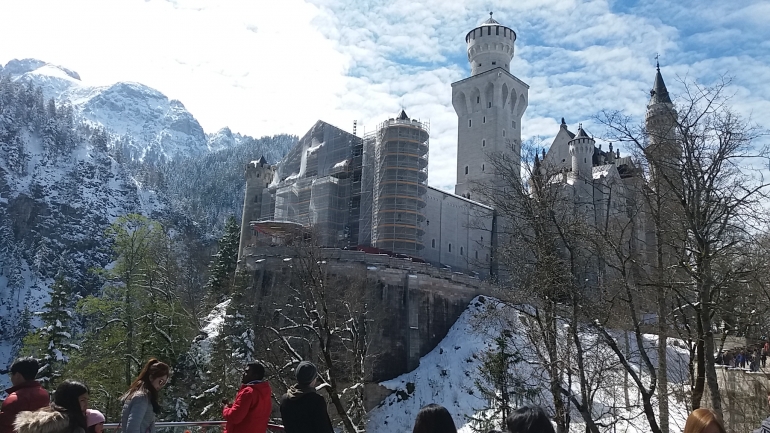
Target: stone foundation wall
(744, 398)
(416, 303)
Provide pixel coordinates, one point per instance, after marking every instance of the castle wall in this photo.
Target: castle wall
(461, 223)
(417, 302)
(744, 398)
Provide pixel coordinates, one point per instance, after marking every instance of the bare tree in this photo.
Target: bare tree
(322, 314)
(704, 163)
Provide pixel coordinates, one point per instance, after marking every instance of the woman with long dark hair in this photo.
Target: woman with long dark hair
(140, 402)
(434, 418)
(67, 413)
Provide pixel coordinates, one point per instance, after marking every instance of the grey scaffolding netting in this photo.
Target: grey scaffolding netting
(400, 184)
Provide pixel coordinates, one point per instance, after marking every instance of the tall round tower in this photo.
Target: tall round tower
(660, 122)
(490, 46)
(489, 106)
(581, 149)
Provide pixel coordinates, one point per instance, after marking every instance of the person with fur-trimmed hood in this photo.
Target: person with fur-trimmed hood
(302, 409)
(67, 413)
(26, 394)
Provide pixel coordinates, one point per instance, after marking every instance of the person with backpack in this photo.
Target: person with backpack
(302, 409)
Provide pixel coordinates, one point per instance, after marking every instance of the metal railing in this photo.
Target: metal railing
(192, 426)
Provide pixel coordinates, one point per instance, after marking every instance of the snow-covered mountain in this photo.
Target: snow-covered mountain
(155, 127)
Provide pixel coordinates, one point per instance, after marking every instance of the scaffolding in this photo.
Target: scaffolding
(400, 172)
(318, 185)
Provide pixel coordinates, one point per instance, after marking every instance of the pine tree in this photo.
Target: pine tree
(499, 385)
(52, 343)
(225, 262)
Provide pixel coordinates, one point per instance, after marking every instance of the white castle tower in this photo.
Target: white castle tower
(581, 149)
(489, 105)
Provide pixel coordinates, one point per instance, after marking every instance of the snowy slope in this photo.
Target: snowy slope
(446, 376)
(157, 127)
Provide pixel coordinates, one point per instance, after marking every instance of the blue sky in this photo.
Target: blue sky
(264, 67)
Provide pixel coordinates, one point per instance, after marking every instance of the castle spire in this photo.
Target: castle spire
(659, 92)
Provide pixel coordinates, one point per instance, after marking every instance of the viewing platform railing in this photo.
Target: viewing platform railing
(191, 427)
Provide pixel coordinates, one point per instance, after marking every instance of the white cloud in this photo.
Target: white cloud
(268, 67)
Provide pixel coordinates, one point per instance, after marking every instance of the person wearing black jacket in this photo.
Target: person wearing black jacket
(302, 409)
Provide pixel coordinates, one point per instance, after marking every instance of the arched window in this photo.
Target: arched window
(450, 248)
(470, 123)
(466, 169)
(433, 243)
(482, 167)
(461, 250)
(489, 105)
(478, 98)
(503, 132)
(484, 119)
(483, 143)
(477, 255)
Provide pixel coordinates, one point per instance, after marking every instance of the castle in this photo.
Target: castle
(370, 193)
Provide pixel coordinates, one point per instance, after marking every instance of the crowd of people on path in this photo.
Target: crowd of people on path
(752, 357)
(28, 408)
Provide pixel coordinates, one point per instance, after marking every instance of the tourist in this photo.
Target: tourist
(67, 413)
(434, 418)
(529, 419)
(251, 410)
(25, 394)
(764, 354)
(765, 426)
(94, 421)
(140, 402)
(302, 409)
(703, 421)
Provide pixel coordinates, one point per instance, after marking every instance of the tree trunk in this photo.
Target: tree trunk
(708, 345)
(700, 365)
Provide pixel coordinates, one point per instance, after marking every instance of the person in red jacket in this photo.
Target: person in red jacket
(26, 394)
(251, 409)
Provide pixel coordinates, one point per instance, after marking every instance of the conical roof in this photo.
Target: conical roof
(659, 93)
(262, 160)
(490, 22)
(581, 133)
(402, 115)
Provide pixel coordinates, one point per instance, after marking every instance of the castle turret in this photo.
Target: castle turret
(663, 149)
(489, 106)
(581, 149)
(259, 175)
(490, 46)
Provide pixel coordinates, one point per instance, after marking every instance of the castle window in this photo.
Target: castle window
(513, 124)
(258, 174)
(470, 123)
(489, 31)
(433, 243)
(482, 239)
(489, 105)
(461, 250)
(482, 167)
(477, 255)
(497, 31)
(466, 169)
(450, 248)
(478, 98)
(427, 222)
(483, 143)
(484, 119)
(506, 65)
(494, 63)
(585, 160)
(487, 256)
(256, 199)
(503, 132)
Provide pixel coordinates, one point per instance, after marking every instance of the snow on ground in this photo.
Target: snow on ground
(447, 376)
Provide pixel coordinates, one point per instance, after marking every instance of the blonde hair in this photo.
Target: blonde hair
(699, 419)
